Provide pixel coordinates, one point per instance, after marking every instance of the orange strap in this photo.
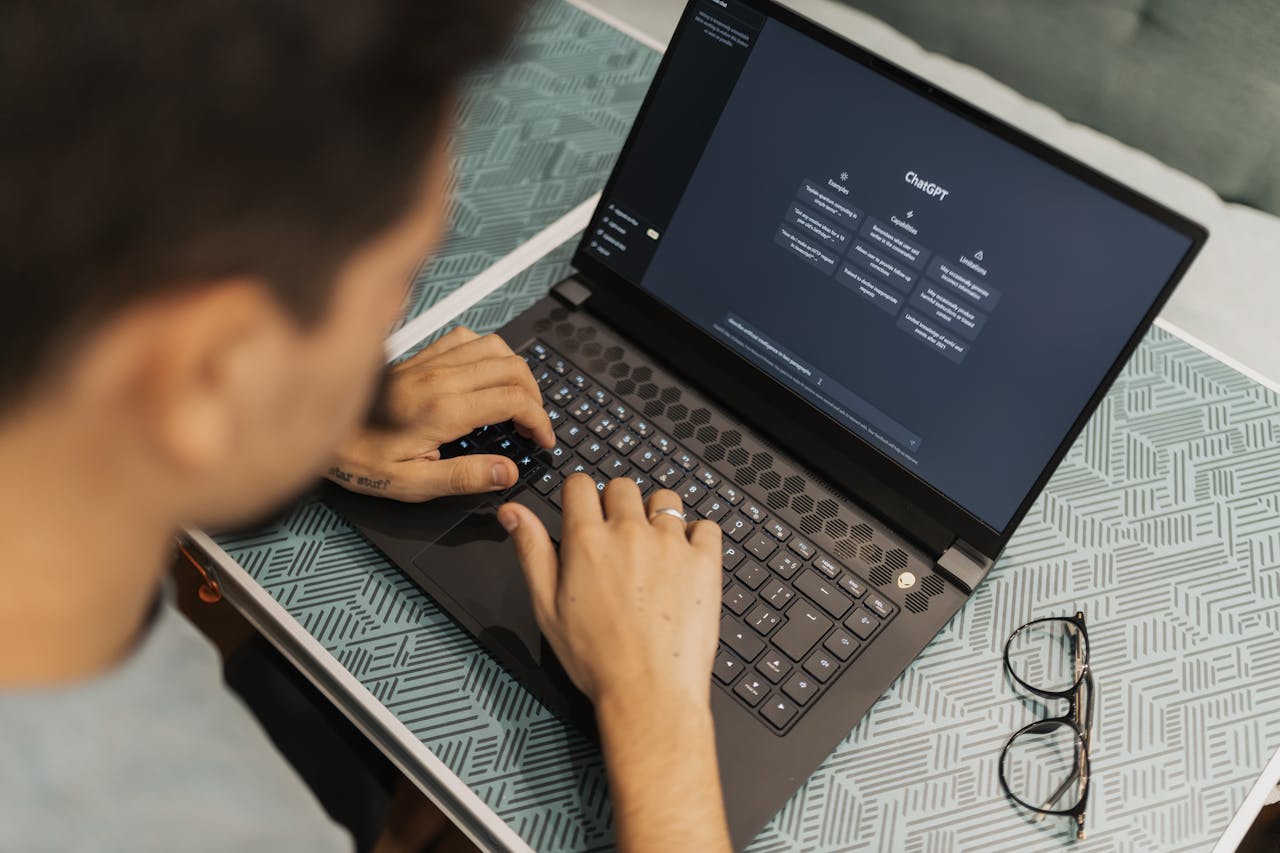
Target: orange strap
(210, 592)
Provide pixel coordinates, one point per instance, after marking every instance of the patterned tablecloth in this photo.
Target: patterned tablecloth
(1161, 525)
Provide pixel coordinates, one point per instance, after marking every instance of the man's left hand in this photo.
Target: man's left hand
(460, 382)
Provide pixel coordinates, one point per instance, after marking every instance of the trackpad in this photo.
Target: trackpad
(474, 565)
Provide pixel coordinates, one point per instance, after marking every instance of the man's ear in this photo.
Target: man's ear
(206, 362)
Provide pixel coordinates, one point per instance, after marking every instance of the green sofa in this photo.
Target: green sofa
(1196, 83)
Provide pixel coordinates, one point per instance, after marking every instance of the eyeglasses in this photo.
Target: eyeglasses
(1045, 766)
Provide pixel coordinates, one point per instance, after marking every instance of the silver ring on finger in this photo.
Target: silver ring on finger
(666, 510)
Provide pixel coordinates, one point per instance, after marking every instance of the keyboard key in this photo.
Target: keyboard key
(668, 475)
(740, 638)
(583, 410)
(661, 442)
(821, 665)
(563, 394)
(862, 622)
(559, 365)
(599, 396)
(593, 450)
(752, 574)
(691, 492)
(751, 689)
(603, 425)
(762, 546)
(731, 556)
(763, 619)
(778, 711)
(708, 477)
(571, 434)
(773, 666)
(613, 466)
(555, 416)
(621, 411)
(827, 566)
(577, 467)
(507, 447)
(539, 351)
(646, 459)
(805, 627)
(841, 644)
(726, 669)
(557, 456)
(545, 378)
(624, 442)
(713, 507)
(545, 484)
(736, 527)
(880, 605)
(777, 594)
(851, 585)
(785, 565)
(778, 530)
(730, 494)
(642, 428)
(754, 512)
(579, 379)
(737, 599)
(801, 547)
(824, 593)
(684, 459)
(643, 482)
(800, 687)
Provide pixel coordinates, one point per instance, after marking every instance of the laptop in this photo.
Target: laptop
(852, 319)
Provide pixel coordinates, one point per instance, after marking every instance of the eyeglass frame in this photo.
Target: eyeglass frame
(1079, 717)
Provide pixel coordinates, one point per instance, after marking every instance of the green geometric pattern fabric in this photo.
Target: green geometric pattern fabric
(1161, 525)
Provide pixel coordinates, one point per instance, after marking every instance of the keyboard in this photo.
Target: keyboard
(792, 617)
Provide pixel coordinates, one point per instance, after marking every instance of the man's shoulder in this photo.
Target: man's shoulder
(156, 754)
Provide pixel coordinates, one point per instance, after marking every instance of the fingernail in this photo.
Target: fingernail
(499, 472)
(509, 520)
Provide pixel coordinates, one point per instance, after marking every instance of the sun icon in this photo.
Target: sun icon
(844, 176)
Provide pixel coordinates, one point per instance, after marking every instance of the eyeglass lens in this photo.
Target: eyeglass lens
(1048, 655)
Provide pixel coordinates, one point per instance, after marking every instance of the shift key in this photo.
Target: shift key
(805, 627)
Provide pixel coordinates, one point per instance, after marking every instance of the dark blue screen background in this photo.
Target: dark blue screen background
(1076, 269)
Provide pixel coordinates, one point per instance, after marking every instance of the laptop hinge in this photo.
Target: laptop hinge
(572, 292)
(964, 565)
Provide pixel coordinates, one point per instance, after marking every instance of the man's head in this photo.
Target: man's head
(211, 211)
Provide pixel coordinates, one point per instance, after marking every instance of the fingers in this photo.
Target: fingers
(453, 415)
(706, 536)
(537, 557)
(581, 502)
(665, 499)
(622, 500)
(464, 475)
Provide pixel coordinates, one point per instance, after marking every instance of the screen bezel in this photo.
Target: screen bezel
(898, 495)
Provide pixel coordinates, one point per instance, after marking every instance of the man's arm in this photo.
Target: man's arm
(460, 382)
(631, 605)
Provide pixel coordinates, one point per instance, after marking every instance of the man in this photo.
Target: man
(209, 215)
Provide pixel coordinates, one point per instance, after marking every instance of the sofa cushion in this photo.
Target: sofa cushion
(1195, 83)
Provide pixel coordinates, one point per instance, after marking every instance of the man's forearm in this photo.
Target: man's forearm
(663, 777)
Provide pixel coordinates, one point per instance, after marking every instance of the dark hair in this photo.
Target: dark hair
(147, 144)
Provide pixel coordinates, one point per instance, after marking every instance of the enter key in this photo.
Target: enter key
(805, 627)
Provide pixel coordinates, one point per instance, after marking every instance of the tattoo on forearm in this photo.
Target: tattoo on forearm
(364, 482)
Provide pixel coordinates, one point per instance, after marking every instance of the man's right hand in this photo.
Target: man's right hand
(631, 605)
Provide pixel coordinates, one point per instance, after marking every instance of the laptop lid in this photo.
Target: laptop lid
(922, 302)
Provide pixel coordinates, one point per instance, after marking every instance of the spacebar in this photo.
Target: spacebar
(546, 513)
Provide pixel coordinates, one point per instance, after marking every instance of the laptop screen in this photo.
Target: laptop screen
(941, 293)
